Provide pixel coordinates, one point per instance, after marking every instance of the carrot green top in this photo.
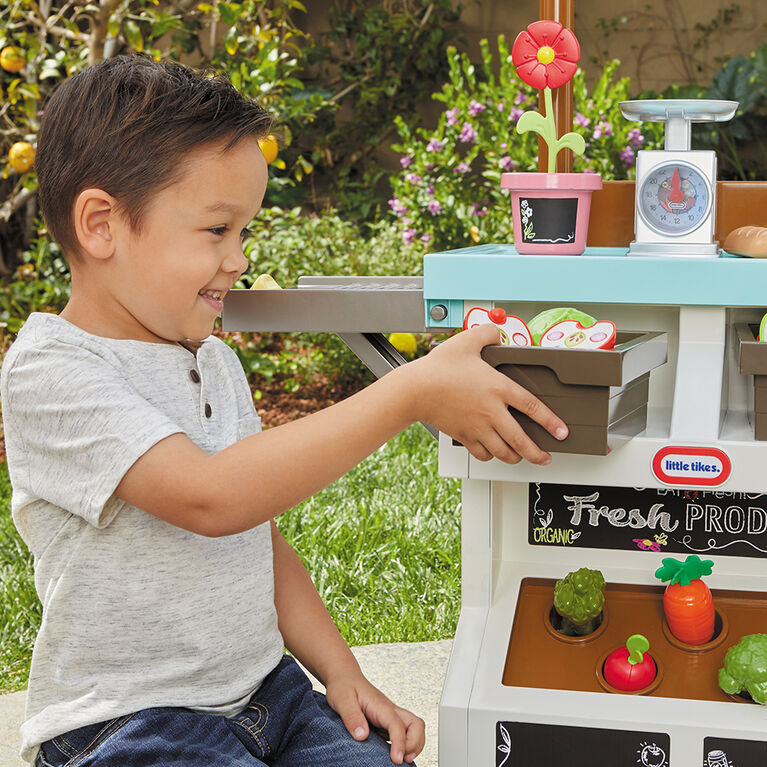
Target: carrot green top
(675, 571)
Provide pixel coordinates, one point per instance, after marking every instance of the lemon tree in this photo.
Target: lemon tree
(256, 42)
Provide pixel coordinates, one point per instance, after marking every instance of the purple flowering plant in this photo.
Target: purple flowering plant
(449, 186)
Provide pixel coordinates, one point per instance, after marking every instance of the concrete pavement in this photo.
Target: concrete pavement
(411, 674)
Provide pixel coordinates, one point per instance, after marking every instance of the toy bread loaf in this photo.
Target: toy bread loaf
(747, 241)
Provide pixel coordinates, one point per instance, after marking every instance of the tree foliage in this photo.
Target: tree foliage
(333, 94)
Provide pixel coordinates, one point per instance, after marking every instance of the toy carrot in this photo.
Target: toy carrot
(687, 601)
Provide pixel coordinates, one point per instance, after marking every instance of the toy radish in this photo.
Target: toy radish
(687, 601)
(631, 667)
(514, 331)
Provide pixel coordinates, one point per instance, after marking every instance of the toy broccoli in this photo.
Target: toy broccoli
(745, 668)
(579, 598)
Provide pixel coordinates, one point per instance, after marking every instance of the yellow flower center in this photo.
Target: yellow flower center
(546, 54)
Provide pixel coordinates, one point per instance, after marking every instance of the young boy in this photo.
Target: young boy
(141, 481)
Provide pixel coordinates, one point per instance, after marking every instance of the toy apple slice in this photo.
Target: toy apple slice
(514, 332)
(570, 334)
(631, 667)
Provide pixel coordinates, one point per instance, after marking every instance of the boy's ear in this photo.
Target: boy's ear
(94, 217)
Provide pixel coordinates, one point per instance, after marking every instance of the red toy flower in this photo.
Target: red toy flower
(546, 54)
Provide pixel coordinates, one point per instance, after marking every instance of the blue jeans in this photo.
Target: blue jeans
(285, 724)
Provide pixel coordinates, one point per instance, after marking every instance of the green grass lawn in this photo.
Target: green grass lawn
(382, 545)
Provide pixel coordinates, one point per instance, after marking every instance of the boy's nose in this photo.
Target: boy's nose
(236, 262)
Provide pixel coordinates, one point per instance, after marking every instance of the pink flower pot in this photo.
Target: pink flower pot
(550, 211)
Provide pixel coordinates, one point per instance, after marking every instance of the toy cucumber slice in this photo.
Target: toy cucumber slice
(762, 329)
(514, 332)
(539, 324)
(570, 334)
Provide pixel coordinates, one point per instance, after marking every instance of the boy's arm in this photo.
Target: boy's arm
(313, 638)
(261, 476)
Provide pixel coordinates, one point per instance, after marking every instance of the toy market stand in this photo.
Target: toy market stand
(669, 465)
(661, 459)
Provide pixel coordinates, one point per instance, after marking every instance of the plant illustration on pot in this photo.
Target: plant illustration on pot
(526, 212)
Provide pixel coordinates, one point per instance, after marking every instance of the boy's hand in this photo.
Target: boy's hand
(360, 705)
(455, 390)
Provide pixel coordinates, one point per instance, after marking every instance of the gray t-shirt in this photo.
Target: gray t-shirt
(136, 612)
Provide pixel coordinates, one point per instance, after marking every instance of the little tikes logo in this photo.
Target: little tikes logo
(698, 466)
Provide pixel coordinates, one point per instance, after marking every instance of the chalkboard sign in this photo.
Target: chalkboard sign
(521, 744)
(731, 752)
(648, 519)
(548, 220)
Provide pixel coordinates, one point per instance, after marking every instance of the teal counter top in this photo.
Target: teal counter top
(600, 275)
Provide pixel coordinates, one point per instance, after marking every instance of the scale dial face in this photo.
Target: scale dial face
(675, 199)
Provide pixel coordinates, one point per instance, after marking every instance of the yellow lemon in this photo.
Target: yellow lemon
(269, 147)
(12, 58)
(403, 342)
(265, 282)
(21, 156)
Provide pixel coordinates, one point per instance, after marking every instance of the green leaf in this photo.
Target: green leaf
(532, 121)
(113, 27)
(675, 571)
(133, 35)
(230, 41)
(572, 141)
(229, 13)
(637, 646)
(305, 164)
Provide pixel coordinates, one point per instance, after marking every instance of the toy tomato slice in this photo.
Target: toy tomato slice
(570, 334)
(514, 331)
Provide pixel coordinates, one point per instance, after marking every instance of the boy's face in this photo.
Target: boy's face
(167, 281)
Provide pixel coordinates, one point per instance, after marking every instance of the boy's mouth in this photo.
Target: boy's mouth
(214, 298)
(216, 295)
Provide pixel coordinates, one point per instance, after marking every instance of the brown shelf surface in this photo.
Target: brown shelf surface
(537, 658)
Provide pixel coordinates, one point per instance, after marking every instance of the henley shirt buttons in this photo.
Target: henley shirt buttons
(208, 410)
(194, 375)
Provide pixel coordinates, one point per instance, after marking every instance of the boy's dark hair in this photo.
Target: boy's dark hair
(124, 125)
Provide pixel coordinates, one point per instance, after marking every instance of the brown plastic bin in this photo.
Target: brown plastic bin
(600, 394)
(753, 362)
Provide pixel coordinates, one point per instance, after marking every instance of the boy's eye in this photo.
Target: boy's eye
(219, 231)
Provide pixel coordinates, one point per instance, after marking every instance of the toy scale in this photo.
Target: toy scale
(675, 206)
